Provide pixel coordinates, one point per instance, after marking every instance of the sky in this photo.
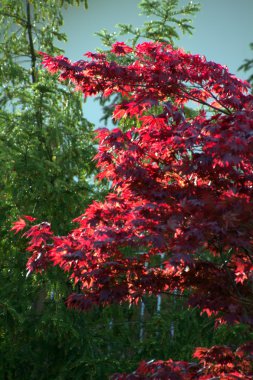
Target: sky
(223, 32)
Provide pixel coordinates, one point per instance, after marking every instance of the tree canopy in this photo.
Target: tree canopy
(181, 189)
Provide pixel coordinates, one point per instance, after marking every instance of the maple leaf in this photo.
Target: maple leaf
(19, 225)
(120, 48)
(29, 218)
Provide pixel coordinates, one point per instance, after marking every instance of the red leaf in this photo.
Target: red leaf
(120, 48)
(29, 218)
(18, 226)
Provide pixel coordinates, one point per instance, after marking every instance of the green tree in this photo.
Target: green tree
(45, 141)
(46, 150)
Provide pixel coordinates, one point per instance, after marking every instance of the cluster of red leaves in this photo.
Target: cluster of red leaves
(39, 237)
(156, 72)
(215, 363)
(181, 187)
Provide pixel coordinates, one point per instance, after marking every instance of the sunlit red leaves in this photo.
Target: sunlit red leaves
(243, 267)
(215, 363)
(40, 243)
(54, 64)
(178, 370)
(181, 189)
(19, 225)
(156, 72)
(29, 218)
(181, 186)
(223, 362)
(120, 48)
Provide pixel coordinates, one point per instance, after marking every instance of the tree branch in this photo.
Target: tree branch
(30, 39)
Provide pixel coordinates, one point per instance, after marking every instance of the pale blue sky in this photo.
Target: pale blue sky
(223, 31)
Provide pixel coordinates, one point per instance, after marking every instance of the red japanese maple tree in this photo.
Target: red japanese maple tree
(181, 188)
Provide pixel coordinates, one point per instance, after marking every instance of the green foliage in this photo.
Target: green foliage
(167, 18)
(248, 66)
(74, 2)
(45, 141)
(46, 150)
